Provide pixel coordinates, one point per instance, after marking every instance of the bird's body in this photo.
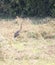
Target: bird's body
(16, 33)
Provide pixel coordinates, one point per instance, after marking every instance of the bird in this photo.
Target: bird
(17, 33)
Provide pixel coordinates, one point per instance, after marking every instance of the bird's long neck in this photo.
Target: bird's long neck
(21, 26)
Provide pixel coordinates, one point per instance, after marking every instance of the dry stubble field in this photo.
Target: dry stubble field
(34, 46)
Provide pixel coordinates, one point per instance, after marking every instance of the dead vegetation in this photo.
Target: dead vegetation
(34, 45)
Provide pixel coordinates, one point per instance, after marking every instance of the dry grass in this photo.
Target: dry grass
(34, 46)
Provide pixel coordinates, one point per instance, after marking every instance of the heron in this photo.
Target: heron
(17, 33)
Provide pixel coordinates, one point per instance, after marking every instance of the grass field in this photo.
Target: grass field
(34, 46)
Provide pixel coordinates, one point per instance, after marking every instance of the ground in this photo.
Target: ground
(34, 46)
